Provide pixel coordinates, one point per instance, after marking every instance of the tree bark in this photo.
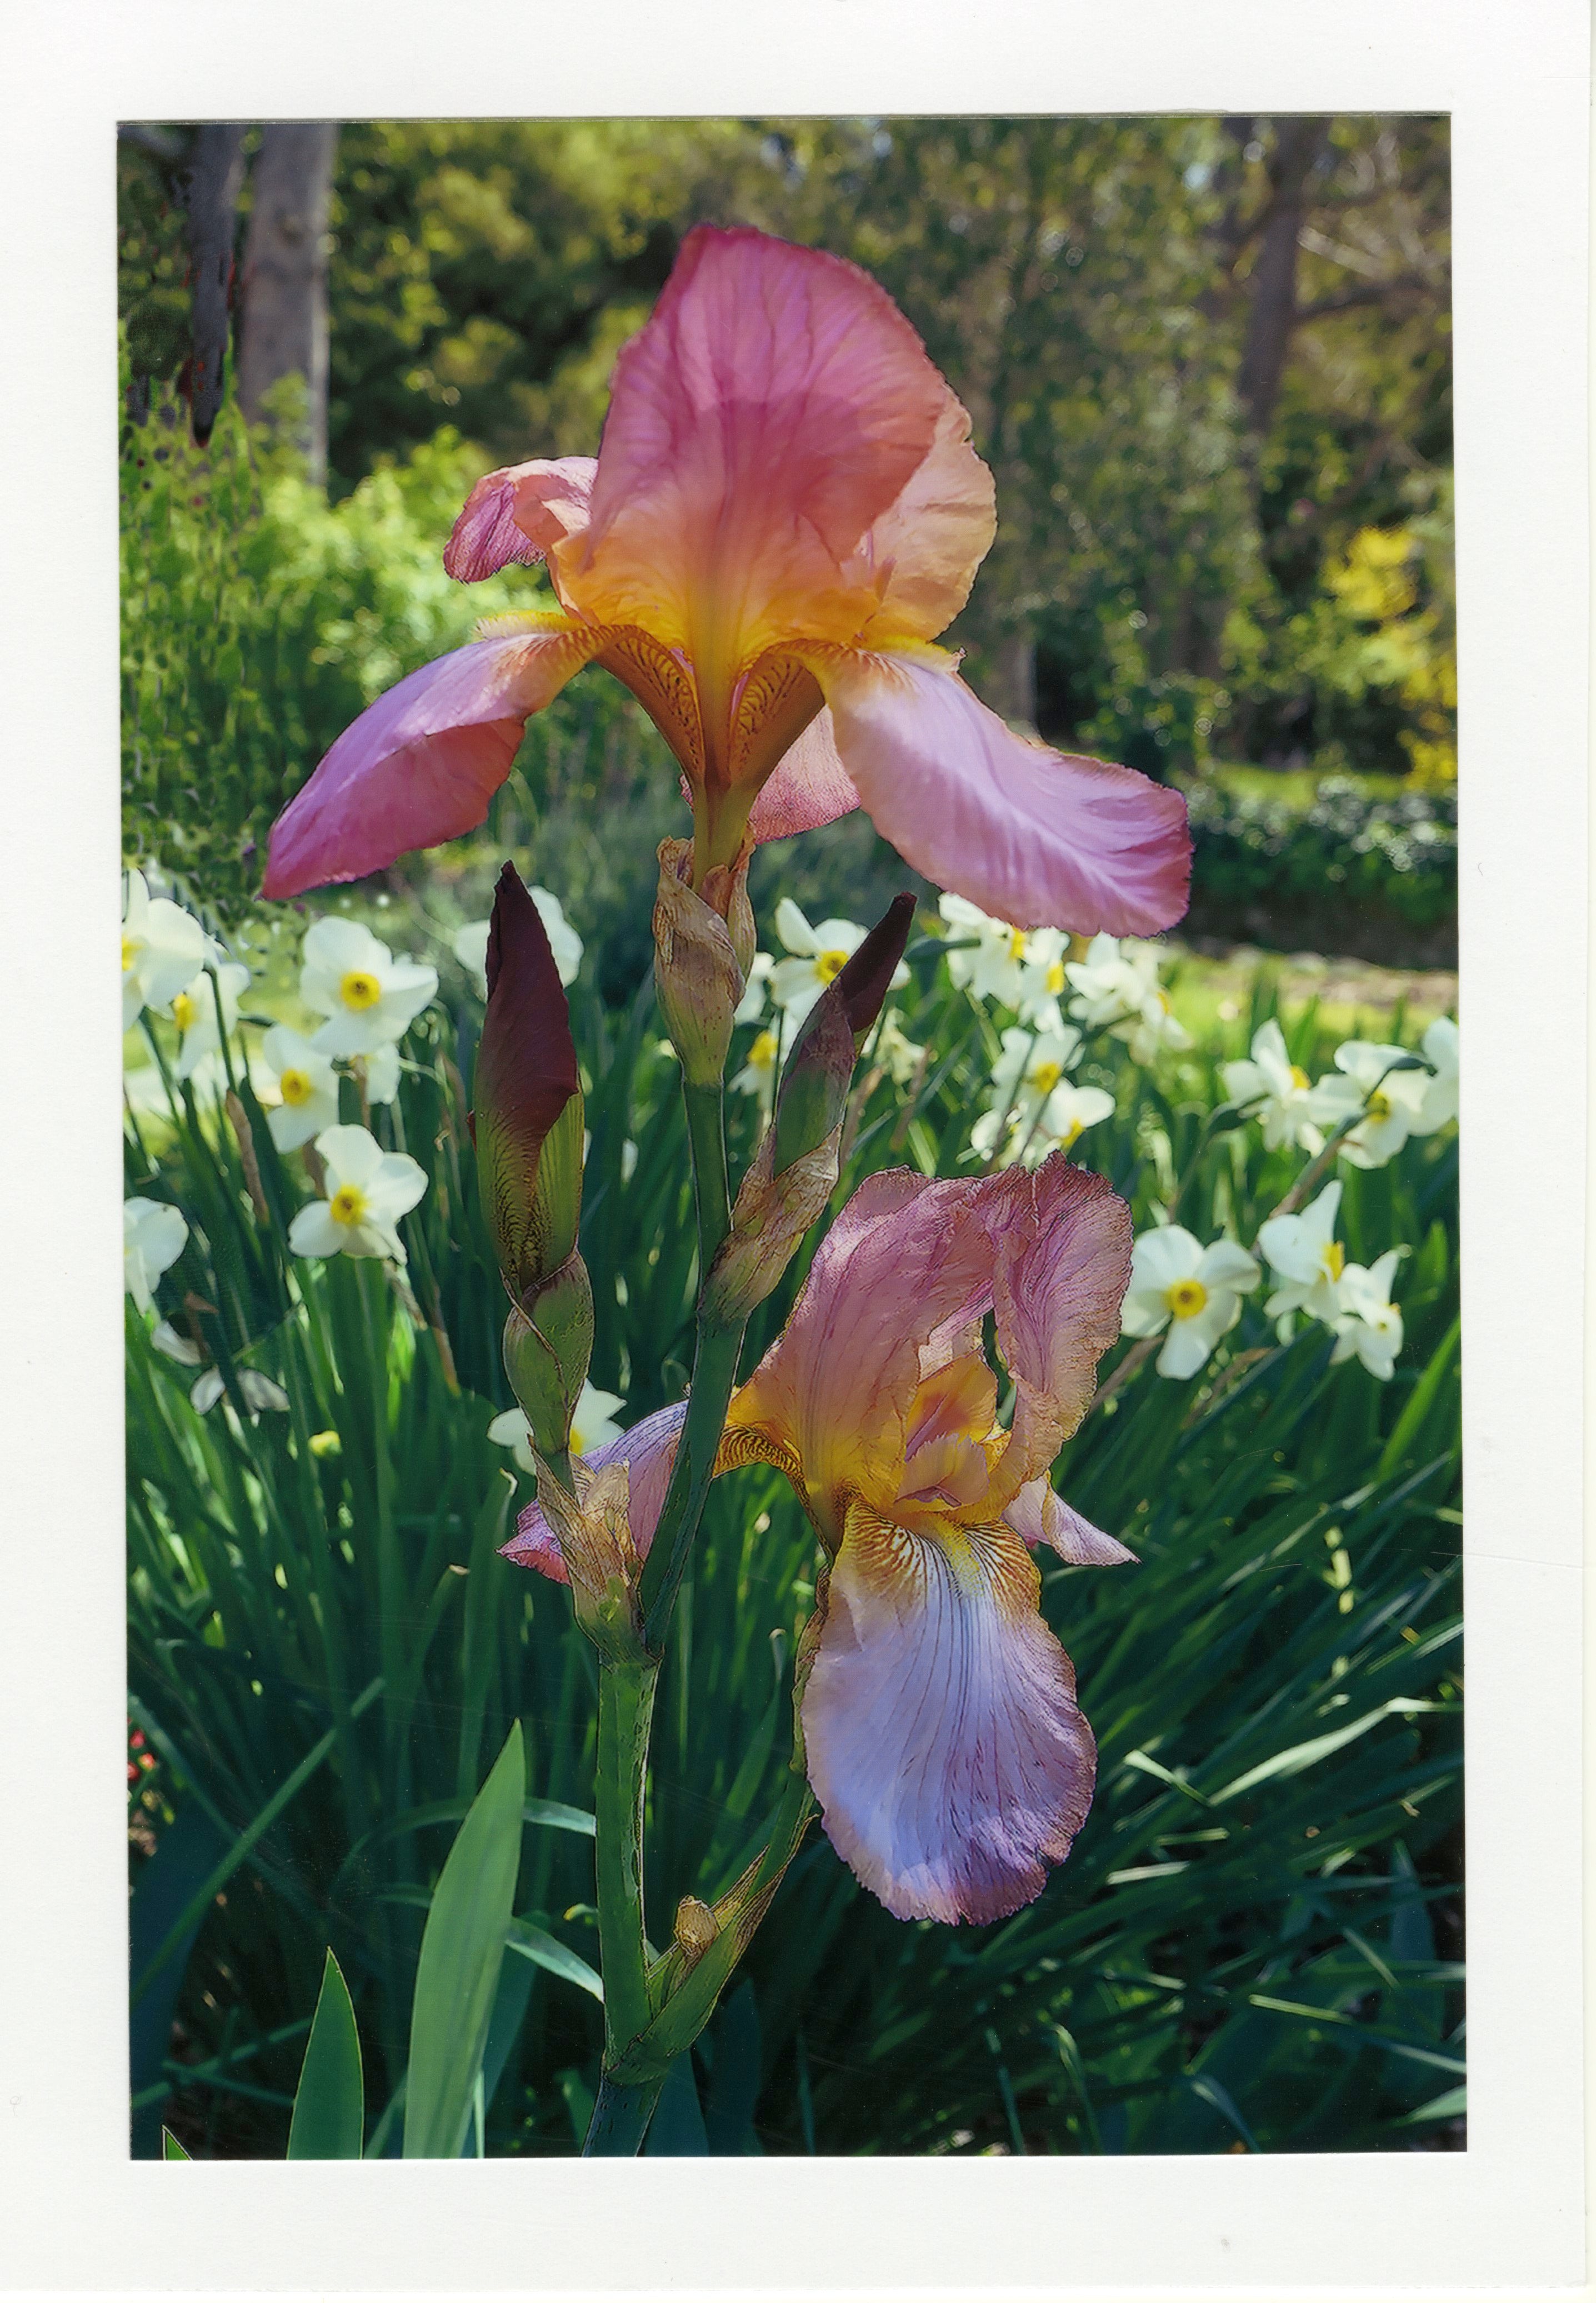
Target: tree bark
(1273, 310)
(1009, 686)
(215, 174)
(284, 328)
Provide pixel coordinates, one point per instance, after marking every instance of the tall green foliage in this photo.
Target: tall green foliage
(1255, 1938)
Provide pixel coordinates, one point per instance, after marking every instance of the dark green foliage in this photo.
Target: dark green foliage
(1350, 872)
(1255, 1938)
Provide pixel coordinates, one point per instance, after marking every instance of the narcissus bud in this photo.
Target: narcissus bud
(820, 1069)
(698, 967)
(527, 1129)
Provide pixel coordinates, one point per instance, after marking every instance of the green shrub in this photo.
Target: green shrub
(1348, 867)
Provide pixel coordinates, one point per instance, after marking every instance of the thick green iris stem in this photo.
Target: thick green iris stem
(625, 1710)
(621, 2111)
(714, 1375)
(712, 1188)
(691, 2004)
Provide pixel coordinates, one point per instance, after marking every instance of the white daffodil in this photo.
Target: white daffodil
(1117, 984)
(162, 949)
(1278, 1088)
(757, 1077)
(1195, 1291)
(1032, 1102)
(1368, 1322)
(261, 1394)
(1362, 1075)
(1043, 979)
(368, 1189)
(1106, 985)
(1307, 1259)
(306, 1087)
(175, 1345)
(750, 1007)
(992, 967)
(470, 943)
(818, 957)
(899, 1056)
(1061, 1118)
(380, 1073)
(368, 997)
(1156, 1028)
(593, 1424)
(153, 1236)
(1437, 1100)
(194, 1012)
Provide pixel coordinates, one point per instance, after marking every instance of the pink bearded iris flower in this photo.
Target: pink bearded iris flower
(785, 511)
(942, 1737)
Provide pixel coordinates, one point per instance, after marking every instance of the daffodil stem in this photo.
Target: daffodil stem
(625, 1709)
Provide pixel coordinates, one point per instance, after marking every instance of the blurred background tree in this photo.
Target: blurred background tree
(1208, 360)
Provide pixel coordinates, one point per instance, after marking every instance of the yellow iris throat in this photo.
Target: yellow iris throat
(184, 1009)
(295, 1087)
(1186, 1298)
(348, 1205)
(359, 989)
(830, 965)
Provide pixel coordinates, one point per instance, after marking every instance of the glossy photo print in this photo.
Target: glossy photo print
(790, 944)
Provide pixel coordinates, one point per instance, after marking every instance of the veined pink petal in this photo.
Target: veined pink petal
(925, 550)
(775, 405)
(648, 1451)
(518, 514)
(808, 786)
(836, 1384)
(421, 764)
(943, 1740)
(1041, 1517)
(1034, 835)
(1061, 1239)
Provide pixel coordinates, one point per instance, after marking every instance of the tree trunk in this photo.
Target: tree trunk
(1271, 314)
(1009, 686)
(284, 328)
(215, 174)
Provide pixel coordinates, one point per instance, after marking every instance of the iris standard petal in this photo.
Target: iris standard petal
(808, 786)
(515, 516)
(925, 550)
(648, 1451)
(943, 1740)
(902, 1259)
(774, 406)
(1031, 835)
(1040, 1514)
(1062, 1242)
(422, 763)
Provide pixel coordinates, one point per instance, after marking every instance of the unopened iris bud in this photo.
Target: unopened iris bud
(698, 969)
(820, 1070)
(527, 1129)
